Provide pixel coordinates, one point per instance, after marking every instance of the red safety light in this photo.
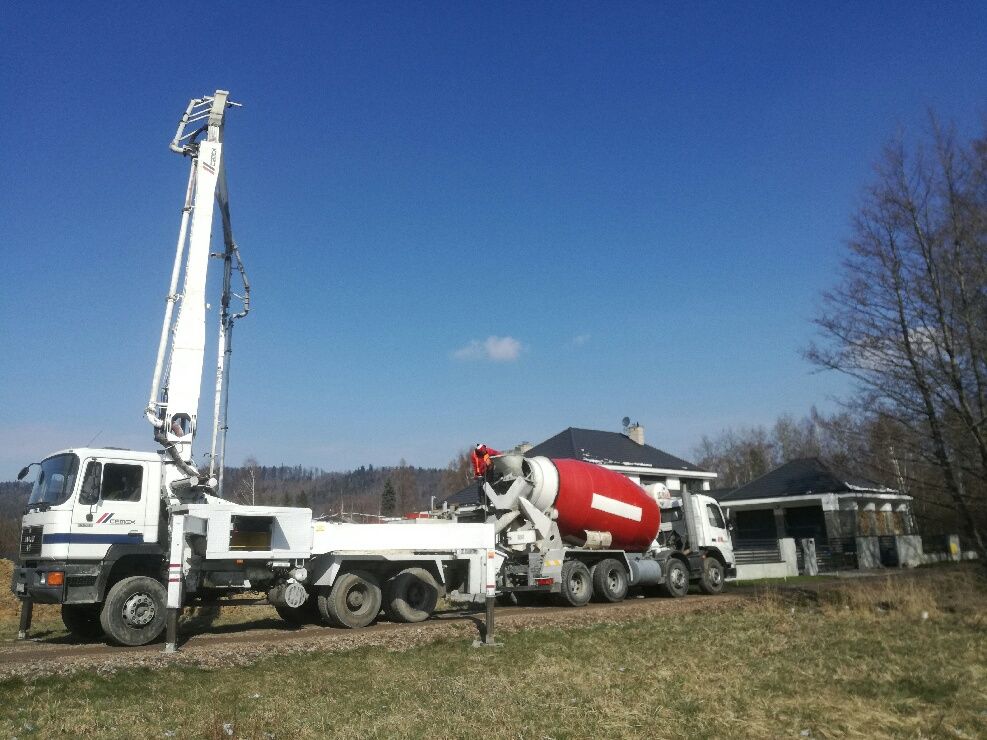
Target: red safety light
(544, 581)
(56, 578)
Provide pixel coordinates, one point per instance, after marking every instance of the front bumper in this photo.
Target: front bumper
(78, 587)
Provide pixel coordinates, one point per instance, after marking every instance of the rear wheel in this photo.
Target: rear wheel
(609, 581)
(134, 611)
(577, 584)
(712, 579)
(82, 620)
(410, 596)
(352, 602)
(676, 579)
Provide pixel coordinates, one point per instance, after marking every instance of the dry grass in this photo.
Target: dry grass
(852, 659)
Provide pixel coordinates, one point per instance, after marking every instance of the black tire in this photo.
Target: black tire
(352, 602)
(410, 596)
(134, 611)
(711, 581)
(609, 581)
(676, 579)
(307, 613)
(82, 620)
(577, 584)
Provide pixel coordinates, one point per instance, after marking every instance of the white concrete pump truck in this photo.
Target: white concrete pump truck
(124, 540)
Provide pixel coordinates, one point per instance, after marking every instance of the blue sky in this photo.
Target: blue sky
(462, 222)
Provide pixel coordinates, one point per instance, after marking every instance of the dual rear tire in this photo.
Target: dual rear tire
(610, 582)
(356, 598)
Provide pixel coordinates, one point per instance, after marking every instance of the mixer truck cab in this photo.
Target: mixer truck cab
(90, 509)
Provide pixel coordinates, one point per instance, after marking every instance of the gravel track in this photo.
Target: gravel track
(237, 644)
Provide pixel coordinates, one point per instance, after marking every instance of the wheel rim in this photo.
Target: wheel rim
(715, 576)
(356, 598)
(417, 595)
(577, 584)
(678, 578)
(613, 581)
(139, 610)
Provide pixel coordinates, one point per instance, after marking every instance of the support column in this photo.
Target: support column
(176, 592)
(171, 630)
(27, 612)
(810, 564)
(780, 530)
(491, 600)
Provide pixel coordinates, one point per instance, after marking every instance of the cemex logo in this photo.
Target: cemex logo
(108, 519)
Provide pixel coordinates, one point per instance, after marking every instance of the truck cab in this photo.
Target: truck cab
(90, 510)
(706, 532)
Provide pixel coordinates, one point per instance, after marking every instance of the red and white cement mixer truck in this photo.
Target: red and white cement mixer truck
(581, 531)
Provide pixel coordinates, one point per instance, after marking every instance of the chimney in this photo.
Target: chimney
(636, 432)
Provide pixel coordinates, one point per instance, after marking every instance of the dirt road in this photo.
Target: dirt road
(227, 644)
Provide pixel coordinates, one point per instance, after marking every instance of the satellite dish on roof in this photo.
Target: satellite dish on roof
(626, 421)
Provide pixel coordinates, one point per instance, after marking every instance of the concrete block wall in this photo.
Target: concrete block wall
(785, 569)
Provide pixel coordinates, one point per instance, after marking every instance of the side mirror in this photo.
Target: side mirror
(24, 471)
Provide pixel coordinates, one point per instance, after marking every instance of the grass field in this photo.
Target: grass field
(891, 657)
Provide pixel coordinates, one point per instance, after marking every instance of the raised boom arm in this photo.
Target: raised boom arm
(174, 401)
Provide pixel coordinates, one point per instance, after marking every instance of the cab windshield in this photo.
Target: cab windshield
(55, 481)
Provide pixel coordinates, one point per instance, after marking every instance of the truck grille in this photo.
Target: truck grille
(31, 540)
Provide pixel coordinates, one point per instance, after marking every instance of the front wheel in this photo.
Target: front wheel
(134, 611)
(676, 579)
(82, 620)
(352, 602)
(712, 579)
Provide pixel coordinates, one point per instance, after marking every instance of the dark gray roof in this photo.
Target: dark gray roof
(466, 496)
(719, 493)
(607, 448)
(800, 477)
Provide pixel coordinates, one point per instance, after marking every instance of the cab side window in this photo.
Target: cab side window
(715, 517)
(90, 483)
(122, 482)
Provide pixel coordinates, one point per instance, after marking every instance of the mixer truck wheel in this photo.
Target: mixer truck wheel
(712, 579)
(134, 611)
(676, 579)
(410, 596)
(82, 620)
(609, 581)
(352, 602)
(577, 584)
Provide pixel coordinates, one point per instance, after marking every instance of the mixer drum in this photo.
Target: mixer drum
(596, 499)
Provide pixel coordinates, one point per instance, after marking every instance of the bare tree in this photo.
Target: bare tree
(737, 456)
(908, 318)
(457, 475)
(246, 487)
